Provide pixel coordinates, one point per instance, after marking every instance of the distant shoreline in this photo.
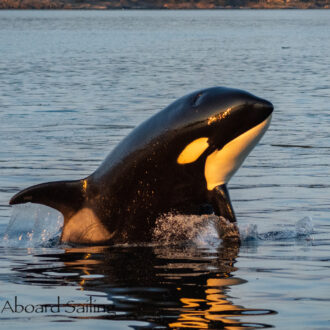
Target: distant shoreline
(164, 4)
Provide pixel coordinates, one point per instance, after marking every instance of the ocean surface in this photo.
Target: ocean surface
(74, 83)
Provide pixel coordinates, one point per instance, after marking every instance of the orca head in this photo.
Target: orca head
(227, 124)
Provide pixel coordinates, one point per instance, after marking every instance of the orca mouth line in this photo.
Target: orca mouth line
(264, 124)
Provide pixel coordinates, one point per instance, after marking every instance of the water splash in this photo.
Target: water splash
(248, 232)
(171, 228)
(210, 229)
(304, 228)
(33, 225)
(198, 229)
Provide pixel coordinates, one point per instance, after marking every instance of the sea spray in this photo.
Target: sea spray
(210, 229)
(204, 229)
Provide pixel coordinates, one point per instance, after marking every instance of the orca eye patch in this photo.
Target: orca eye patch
(193, 151)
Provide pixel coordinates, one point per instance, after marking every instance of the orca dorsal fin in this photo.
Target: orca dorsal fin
(64, 196)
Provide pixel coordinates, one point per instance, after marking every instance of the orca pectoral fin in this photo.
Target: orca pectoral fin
(221, 203)
(64, 196)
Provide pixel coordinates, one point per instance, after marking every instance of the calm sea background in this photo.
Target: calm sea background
(74, 83)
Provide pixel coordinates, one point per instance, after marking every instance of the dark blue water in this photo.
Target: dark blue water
(74, 83)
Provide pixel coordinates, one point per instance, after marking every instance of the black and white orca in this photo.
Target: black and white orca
(179, 160)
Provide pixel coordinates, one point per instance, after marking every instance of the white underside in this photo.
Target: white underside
(84, 227)
(221, 165)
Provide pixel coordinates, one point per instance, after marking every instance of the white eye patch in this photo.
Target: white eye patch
(193, 151)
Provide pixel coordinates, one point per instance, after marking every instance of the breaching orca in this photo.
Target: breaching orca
(179, 160)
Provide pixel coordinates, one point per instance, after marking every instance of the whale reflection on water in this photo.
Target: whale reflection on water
(173, 286)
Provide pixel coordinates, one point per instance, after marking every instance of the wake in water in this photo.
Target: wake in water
(33, 225)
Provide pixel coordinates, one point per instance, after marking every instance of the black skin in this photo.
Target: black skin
(141, 179)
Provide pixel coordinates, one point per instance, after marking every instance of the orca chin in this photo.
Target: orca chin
(222, 164)
(179, 160)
